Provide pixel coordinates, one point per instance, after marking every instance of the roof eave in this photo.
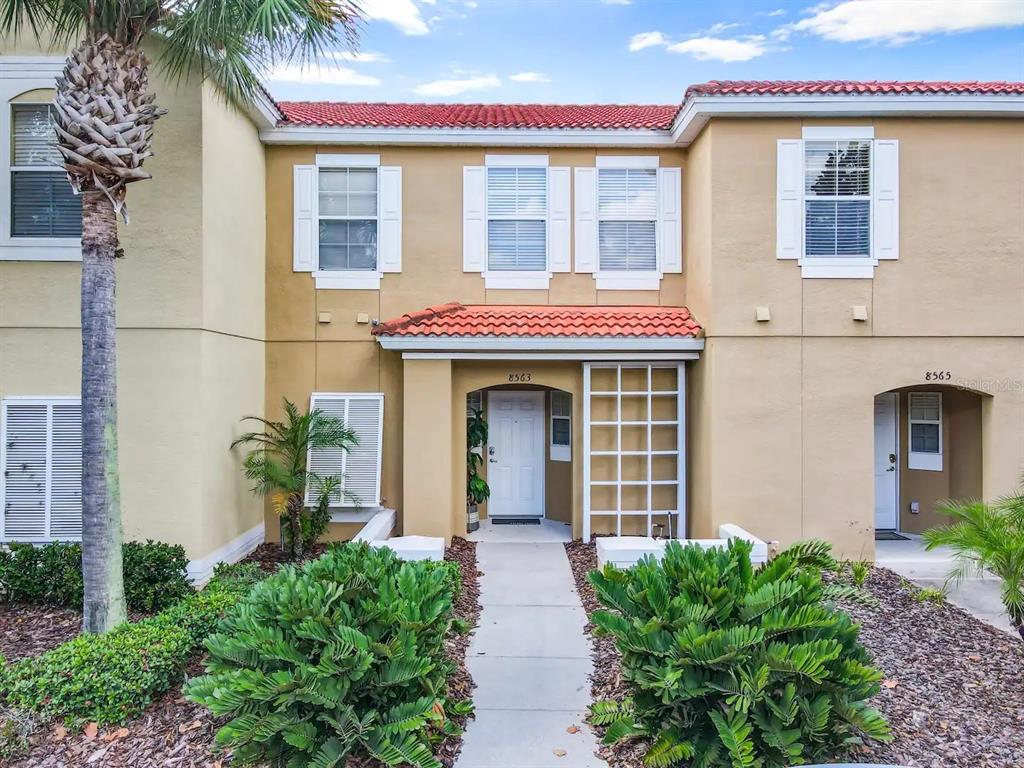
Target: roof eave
(503, 137)
(416, 343)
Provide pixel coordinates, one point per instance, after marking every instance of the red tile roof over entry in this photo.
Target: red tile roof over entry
(849, 87)
(497, 320)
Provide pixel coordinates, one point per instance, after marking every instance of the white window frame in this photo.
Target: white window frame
(355, 279)
(626, 280)
(515, 279)
(929, 462)
(18, 75)
(49, 402)
(559, 452)
(838, 266)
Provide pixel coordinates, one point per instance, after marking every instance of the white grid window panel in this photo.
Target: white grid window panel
(359, 467)
(41, 458)
(647, 397)
(837, 198)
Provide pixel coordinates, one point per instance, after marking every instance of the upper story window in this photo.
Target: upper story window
(517, 211)
(837, 198)
(348, 219)
(627, 206)
(42, 201)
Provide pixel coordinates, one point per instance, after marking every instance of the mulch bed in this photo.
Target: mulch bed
(28, 630)
(175, 732)
(952, 692)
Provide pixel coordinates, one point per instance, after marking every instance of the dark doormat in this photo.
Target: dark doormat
(515, 521)
(889, 536)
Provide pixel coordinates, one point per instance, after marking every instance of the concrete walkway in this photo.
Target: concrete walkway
(529, 658)
(978, 595)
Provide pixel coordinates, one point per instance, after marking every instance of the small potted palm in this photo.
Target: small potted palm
(477, 489)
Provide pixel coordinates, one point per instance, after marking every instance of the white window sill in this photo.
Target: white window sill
(512, 280)
(628, 281)
(814, 267)
(41, 249)
(928, 462)
(351, 281)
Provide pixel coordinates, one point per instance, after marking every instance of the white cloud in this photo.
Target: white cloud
(777, 12)
(360, 57)
(402, 13)
(720, 27)
(617, 2)
(646, 40)
(456, 86)
(530, 77)
(720, 49)
(900, 21)
(321, 75)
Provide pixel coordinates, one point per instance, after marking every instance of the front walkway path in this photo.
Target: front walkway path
(530, 660)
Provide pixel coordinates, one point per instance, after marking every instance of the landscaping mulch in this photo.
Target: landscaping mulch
(175, 732)
(269, 556)
(953, 688)
(28, 630)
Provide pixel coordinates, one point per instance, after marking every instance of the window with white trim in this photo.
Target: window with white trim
(517, 211)
(561, 426)
(359, 466)
(41, 459)
(42, 201)
(347, 220)
(925, 427)
(627, 207)
(837, 198)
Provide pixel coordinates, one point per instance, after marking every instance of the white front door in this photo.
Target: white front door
(515, 461)
(886, 462)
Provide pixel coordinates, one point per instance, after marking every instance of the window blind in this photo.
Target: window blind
(517, 208)
(837, 189)
(42, 201)
(628, 212)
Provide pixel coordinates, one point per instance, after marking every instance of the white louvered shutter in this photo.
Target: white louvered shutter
(474, 224)
(389, 237)
(42, 470)
(559, 206)
(586, 219)
(886, 172)
(670, 232)
(359, 467)
(305, 225)
(789, 206)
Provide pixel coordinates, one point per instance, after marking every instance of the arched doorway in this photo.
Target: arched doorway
(927, 447)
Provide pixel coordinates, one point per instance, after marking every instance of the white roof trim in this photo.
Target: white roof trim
(688, 123)
(541, 343)
(603, 357)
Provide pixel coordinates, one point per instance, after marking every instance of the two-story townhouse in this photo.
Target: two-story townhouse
(798, 307)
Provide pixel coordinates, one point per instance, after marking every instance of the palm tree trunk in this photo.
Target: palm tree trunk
(103, 602)
(295, 504)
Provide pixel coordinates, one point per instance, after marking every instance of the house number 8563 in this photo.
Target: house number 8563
(519, 378)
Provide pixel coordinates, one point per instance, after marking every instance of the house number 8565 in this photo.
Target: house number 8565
(519, 378)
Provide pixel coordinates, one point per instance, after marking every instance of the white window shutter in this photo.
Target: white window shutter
(389, 238)
(670, 230)
(305, 227)
(25, 471)
(559, 206)
(474, 218)
(66, 471)
(359, 467)
(789, 203)
(886, 199)
(586, 219)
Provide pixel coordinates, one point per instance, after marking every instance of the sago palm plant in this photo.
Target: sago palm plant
(277, 466)
(987, 537)
(105, 115)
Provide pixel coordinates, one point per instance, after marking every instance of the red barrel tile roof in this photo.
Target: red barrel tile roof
(380, 115)
(849, 87)
(455, 319)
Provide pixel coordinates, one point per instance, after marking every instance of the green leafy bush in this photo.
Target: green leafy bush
(341, 656)
(51, 574)
(111, 677)
(735, 667)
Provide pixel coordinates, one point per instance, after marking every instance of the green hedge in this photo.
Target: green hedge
(735, 667)
(51, 574)
(112, 677)
(341, 656)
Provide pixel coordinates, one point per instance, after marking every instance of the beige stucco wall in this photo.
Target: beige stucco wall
(190, 319)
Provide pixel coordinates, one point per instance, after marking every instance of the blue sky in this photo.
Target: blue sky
(648, 51)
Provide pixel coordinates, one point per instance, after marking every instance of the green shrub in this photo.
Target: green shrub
(51, 574)
(341, 656)
(732, 666)
(111, 677)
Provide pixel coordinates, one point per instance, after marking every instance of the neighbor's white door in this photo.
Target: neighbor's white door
(886, 461)
(515, 468)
